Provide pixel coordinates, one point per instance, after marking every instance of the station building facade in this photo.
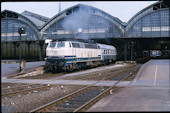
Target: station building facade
(149, 30)
(86, 22)
(30, 43)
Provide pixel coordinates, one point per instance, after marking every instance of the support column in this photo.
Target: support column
(131, 47)
(29, 56)
(40, 46)
(40, 50)
(125, 50)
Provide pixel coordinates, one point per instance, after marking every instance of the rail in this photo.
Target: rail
(23, 90)
(82, 99)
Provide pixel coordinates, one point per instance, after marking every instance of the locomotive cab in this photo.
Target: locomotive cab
(55, 54)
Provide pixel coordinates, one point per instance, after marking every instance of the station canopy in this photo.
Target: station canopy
(87, 22)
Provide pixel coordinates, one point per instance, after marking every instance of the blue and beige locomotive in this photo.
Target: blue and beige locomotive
(72, 54)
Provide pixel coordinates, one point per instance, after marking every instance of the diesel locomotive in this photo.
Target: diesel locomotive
(69, 55)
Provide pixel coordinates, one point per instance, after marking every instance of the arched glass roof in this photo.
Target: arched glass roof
(90, 10)
(156, 6)
(12, 14)
(35, 18)
(11, 21)
(115, 29)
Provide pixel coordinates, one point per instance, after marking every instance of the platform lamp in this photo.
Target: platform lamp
(21, 30)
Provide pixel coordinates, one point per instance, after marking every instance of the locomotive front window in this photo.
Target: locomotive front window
(52, 44)
(61, 44)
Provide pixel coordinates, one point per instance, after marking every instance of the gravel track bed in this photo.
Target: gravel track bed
(31, 100)
(9, 85)
(97, 75)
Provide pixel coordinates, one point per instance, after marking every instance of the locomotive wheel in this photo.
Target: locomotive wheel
(78, 66)
(70, 69)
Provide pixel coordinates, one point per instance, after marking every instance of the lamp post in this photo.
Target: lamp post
(21, 30)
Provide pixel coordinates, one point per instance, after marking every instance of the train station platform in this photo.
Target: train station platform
(149, 91)
(59, 79)
(10, 67)
(66, 82)
(154, 73)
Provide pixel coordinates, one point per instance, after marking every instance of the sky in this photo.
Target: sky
(124, 10)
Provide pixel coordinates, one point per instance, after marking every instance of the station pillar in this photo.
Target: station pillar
(40, 50)
(125, 50)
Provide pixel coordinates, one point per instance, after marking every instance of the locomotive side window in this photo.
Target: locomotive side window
(76, 45)
(52, 44)
(92, 46)
(61, 44)
(82, 45)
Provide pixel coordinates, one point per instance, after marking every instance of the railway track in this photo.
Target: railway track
(101, 75)
(22, 89)
(122, 75)
(81, 100)
(75, 101)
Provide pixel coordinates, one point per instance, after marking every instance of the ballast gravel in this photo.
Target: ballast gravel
(34, 99)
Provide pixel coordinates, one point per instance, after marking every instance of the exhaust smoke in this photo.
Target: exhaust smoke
(82, 22)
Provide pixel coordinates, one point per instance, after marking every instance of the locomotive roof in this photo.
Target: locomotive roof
(75, 40)
(104, 46)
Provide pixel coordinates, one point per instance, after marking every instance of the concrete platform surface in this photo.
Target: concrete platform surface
(9, 69)
(135, 99)
(65, 82)
(154, 73)
(149, 91)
